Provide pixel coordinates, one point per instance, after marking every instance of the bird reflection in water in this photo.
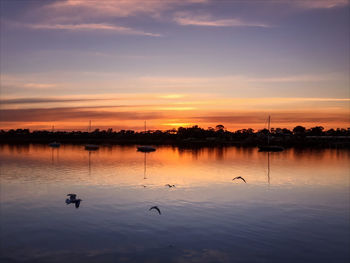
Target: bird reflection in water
(73, 200)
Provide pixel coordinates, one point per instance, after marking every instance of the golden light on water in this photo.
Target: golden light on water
(123, 165)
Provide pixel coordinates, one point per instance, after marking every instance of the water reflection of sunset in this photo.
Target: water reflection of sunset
(124, 166)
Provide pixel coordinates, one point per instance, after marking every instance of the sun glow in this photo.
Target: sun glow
(178, 124)
(172, 96)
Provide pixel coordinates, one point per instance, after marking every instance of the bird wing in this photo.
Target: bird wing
(155, 207)
(77, 204)
(243, 179)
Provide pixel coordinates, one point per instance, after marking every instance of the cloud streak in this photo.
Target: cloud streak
(42, 100)
(320, 4)
(73, 113)
(118, 8)
(92, 27)
(189, 19)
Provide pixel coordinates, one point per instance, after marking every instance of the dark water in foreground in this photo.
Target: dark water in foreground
(293, 208)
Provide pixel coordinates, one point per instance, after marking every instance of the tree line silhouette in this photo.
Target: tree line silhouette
(195, 135)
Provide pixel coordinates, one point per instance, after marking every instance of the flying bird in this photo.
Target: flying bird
(156, 208)
(72, 196)
(239, 177)
(170, 185)
(77, 203)
(73, 200)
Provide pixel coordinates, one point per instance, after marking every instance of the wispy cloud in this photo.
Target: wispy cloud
(116, 8)
(189, 19)
(298, 78)
(319, 4)
(20, 101)
(39, 85)
(73, 113)
(119, 8)
(94, 27)
(280, 118)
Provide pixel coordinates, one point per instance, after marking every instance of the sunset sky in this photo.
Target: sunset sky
(174, 63)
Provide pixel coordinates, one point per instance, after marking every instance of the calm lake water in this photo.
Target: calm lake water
(294, 206)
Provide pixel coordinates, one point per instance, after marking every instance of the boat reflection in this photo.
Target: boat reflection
(144, 165)
(53, 149)
(174, 166)
(145, 162)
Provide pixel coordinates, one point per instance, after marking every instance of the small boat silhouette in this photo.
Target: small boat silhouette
(91, 147)
(54, 144)
(145, 148)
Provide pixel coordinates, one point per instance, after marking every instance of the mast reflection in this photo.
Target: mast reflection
(53, 154)
(268, 167)
(144, 166)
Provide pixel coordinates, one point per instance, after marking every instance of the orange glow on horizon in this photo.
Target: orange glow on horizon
(168, 111)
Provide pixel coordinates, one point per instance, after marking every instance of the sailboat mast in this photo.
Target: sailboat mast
(145, 126)
(90, 126)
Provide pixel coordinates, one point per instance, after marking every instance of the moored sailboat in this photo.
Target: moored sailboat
(146, 148)
(268, 147)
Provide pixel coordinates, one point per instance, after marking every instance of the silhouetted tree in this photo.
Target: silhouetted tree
(285, 131)
(299, 130)
(220, 127)
(316, 131)
(264, 131)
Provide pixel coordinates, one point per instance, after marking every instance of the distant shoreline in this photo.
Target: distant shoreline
(253, 140)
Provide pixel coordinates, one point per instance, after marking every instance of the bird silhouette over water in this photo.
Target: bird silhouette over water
(72, 196)
(156, 208)
(170, 185)
(239, 177)
(77, 203)
(73, 200)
